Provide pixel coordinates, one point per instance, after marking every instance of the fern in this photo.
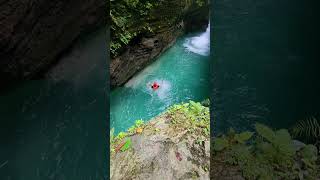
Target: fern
(309, 128)
(268, 155)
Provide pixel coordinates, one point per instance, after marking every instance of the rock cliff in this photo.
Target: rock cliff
(34, 33)
(174, 145)
(170, 20)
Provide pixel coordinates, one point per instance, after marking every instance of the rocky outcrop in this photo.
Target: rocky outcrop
(34, 33)
(138, 56)
(173, 145)
(147, 47)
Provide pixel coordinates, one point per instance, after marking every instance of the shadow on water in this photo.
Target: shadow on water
(54, 128)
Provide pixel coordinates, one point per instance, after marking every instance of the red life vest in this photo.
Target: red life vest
(155, 86)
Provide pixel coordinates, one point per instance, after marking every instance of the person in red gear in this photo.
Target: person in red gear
(155, 86)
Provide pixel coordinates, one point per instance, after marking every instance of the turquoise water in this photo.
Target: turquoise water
(54, 127)
(183, 74)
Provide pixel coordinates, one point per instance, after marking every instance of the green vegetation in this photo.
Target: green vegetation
(308, 130)
(206, 102)
(191, 117)
(126, 146)
(116, 140)
(131, 18)
(267, 155)
(125, 16)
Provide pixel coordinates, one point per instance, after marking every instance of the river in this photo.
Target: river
(183, 74)
(55, 127)
(265, 64)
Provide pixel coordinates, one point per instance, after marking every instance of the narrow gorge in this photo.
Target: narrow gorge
(150, 36)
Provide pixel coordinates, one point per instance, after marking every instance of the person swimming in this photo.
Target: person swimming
(155, 86)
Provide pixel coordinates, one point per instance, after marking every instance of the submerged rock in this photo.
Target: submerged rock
(170, 147)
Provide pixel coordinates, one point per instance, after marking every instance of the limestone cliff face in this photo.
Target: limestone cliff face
(147, 47)
(34, 33)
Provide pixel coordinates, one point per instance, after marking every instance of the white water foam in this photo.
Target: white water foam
(199, 44)
(136, 81)
(163, 91)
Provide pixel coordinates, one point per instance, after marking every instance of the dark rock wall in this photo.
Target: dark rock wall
(138, 56)
(149, 46)
(34, 33)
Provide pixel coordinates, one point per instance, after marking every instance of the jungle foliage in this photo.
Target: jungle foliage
(308, 130)
(130, 18)
(192, 116)
(125, 24)
(267, 154)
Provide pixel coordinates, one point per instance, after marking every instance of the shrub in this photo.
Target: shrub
(267, 155)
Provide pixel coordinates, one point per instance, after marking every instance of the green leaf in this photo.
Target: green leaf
(127, 145)
(284, 142)
(132, 129)
(265, 132)
(283, 136)
(243, 137)
(220, 144)
(206, 131)
(121, 135)
(268, 150)
(310, 153)
(139, 123)
(231, 133)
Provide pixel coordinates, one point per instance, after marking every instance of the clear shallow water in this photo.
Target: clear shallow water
(182, 73)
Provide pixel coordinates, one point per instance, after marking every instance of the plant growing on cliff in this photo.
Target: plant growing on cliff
(116, 140)
(126, 146)
(139, 124)
(130, 19)
(200, 2)
(308, 129)
(270, 155)
(191, 116)
(127, 21)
